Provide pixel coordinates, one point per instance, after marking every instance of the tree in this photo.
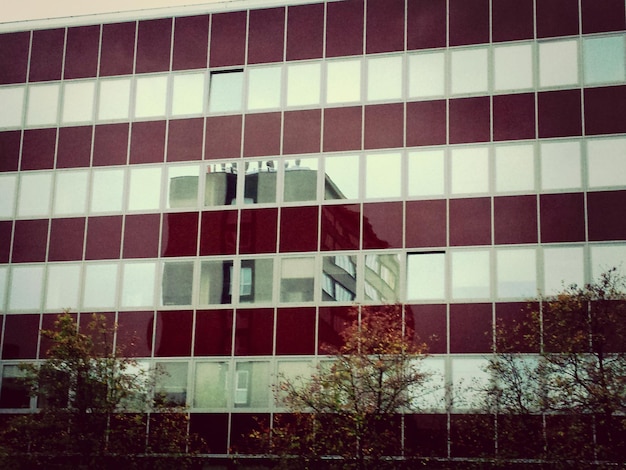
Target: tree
(94, 405)
(349, 408)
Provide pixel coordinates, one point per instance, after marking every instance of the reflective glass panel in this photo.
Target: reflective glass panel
(339, 278)
(300, 180)
(43, 103)
(34, 194)
(100, 286)
(188, 94)
(469, 380)
(70, 192)
(171, 383)
(513, 67)
(255, 280)
(114, 99)
(4, 275)
(78, 101)
(12, 104)
(107, 190)
(515, 168)
(215, 282)
(303, 84)
(426, 75)
(470, 170)
(220, 184)
(260, 186)
(297, 277)
(145, 189)
(604, 59)
(606, 165)
(470, 70)
(151, 96)
(384, 78)
(560, 165)
(605, 258)
(383, 175)
(177, 283)
(225, 92)
(251, 385)
(343, 83)
(138, 285)
(562, 267)
(182, 186)
(264, 87)
(470, 274)
(211, 385)
(425, 276)
(382, 277)
(63, 285)
(426, 173)
(26, 288)
(8, 187)
(558, 63)
(341, 177)
(516, 273)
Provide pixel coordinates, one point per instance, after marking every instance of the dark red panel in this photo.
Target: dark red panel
(141, 236)
(295, 331)
(74, 148)
(384, 126)
(118, 49)
(425, 123)
(46, 56)
(10, 150)
(302, 131)
(81, 55)
(514, 116)
(266, 38)
(332, 322)
(470, 328)
(344, 28)
(305, 31)
(426, 435)
(262, 134)
(147, 142)
(515, 219)
(29, 241)
(426, 223)
(173, 333)
(179, 234)
(102, 339)
(184, 140)
(104, 237)
(48, 324)
(604, 110)
(110, 145)
(153, 45)
(469, 120)
(606, 215)
(14, 57)
(67, 237)
(470, 221)
(471, 435)
(228, 39)
(20, 336)
(218, 234)
(557, 18)
(382, 225)
(191, 36)
(512, 20)
(426, 24)
(214, 333)
(607, 15)
(38, 149)
(254, 332)
(559, 113)
(342, 129)
(562, 217)
(6, 230)
(341, 227)
(514, 328)
(469, 22)
(242, 424)
(223, 137)
(212, 428)
(429, 325)
(134, 334)
(384, 26)
(258, 231)
(298, 228)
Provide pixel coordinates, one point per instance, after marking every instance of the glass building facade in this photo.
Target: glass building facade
(226, 183)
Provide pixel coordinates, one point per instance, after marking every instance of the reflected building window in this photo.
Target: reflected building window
(382, 272)
(220, 184)
(339, 280)
(251, 385)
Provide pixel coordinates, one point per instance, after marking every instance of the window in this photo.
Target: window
(151, 96)
(14, 392)
(182, 186)
(26, 288)
(517, 273)
(469, 380)
(138, 285)
(225, 92)
(43, 104)
(260, 185)
(604, 59)
(8, 186)
(339, 278)
(343, 83)
(297, 277)
(515, 168)
(215, 282)
(471, 278)
(114, 99)
(264, 88)
(177, 283)
(107, 190)
(562, 267)
(34, 194)
(100, 286)
(426, 173)
(558, 63)
(251, 387)
(606, 257)
(426, 75)
(144, 189)
(211, 385)
(220, 184)
(469, 69)
(382, 277)
(63, 283)
(4, 275)
(383, 175)
(188, 94)
(78, 101)
(12, 104)
(303, 84)
(256, 280)
(426, 276)
(560, 165)
(606, 165)
(341, 177)
(171, 383)
(384, 78)
(70, 192)
(513, 67)
(300, 180)
(470, 170)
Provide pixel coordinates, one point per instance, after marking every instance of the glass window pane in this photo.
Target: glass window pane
(107, 190)
(138, 285)
(383, 175)
(114, 99)
(515, 168)
(151, 96)
(256, 280)
(177, 283)
(558, 63)
(425, 276)
(43, 103)
(562, 267)
(171, 383)
(220, 184)
(470, 170)
(26, 288)
(188, 94)
(4, 275)
(215, 282)
(100, 286)
(303, 84)
(264, 87)
(297, 277)
(34, 194)
(339, 278)
(300, 180)
(251, 387)
(513, 67)
(260, 184)
(78, 100)
(606, 165)
(343, 83)
(341, 177)
(225, 92)
(382, 277)
(145, 189)
(211, 385)
(560, 165)
(605, 258)
(469, 380)
(70, 192)
(469, 70)
(517, 273)
(430, 395)
(470, 274)
(426, 173)
(604, 59)
(384, 78)
(8, 187)
(63, 285)
(182, 186)
(426, 75)
(12, 104)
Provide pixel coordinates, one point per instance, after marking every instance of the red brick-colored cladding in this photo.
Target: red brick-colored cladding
(21, 333)
(173, 333)
(74, 147)
(6, 230)
(29, 241)
(213, 333)
(254, 332)
(81, 52)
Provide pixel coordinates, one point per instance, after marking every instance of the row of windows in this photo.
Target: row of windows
(477, 170)
(313, 84)
(458, 274)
